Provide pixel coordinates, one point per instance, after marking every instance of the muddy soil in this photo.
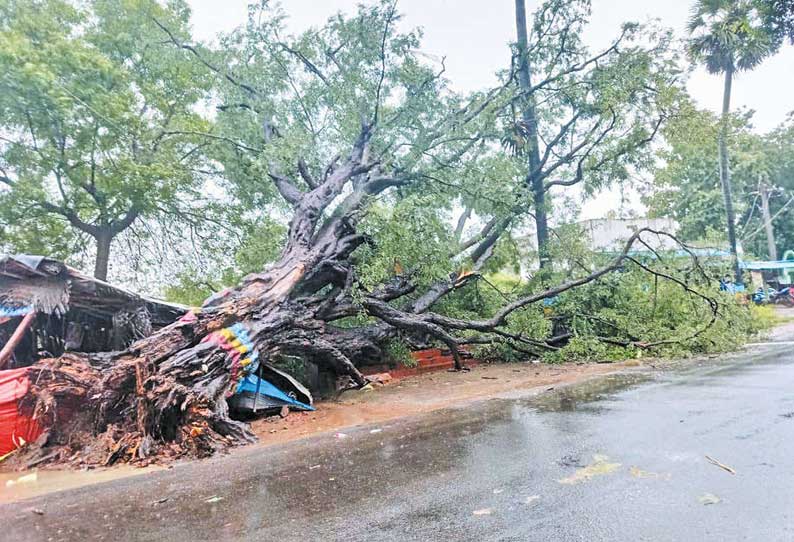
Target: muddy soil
(426, 393)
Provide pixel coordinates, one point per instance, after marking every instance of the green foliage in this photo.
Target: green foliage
(94, 111)
(410, 235)
(101, 115)
(686, 184)
(774, 163)
(608, 319)
(398, 352)
(583, 348)
(634, 307)
(778, 16)
(607, 110)
(729, 35)
(258, 245)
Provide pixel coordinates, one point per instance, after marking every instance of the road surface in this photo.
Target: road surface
(621, 457)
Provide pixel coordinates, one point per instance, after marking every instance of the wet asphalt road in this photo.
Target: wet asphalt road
(489, 471)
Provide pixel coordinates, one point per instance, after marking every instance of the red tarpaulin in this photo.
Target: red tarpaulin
(15, 428)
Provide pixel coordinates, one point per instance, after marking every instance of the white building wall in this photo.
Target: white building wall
(611, 234)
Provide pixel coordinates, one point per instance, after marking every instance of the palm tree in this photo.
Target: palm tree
(728, 36)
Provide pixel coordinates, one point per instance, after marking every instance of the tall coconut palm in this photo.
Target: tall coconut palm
(728, 36)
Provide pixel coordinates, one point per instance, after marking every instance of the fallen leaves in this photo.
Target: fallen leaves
(709, 498)
(599, 467)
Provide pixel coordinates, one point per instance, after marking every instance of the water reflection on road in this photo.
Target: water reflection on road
(620, 457)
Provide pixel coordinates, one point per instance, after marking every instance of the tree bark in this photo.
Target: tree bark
(767, 218)
(725, 175)
(103, 240)
(534, 179)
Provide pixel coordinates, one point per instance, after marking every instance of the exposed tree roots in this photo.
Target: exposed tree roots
(165, 396)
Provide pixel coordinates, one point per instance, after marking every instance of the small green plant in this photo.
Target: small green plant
(398, 352)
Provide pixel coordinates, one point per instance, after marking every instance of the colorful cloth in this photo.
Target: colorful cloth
(240, 349)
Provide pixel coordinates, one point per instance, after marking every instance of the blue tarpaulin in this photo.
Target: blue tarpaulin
(252, 384)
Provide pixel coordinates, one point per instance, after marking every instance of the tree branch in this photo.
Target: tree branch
(226, 75)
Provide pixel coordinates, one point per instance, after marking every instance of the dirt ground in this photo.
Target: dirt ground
(425, 393)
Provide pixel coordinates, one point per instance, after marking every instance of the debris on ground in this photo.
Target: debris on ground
(599, 467)
(709, 498)
(380, 379)
(531, 499)
(720, 465)
(570, 460)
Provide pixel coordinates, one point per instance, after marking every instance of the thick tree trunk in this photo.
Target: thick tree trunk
(529, 116)
(725, 176)
(103, 240)
(767, 218)
(166, 394)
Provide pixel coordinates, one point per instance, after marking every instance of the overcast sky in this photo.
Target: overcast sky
(473, 36)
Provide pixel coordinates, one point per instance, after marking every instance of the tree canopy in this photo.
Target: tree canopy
(96, 112)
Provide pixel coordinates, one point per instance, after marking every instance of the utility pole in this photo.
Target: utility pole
(770, 231)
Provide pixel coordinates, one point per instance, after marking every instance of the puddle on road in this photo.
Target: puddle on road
(599, 467)
(413, 441)
(585, 395)
(15, 486)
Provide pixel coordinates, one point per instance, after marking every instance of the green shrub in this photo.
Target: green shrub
(607, 320)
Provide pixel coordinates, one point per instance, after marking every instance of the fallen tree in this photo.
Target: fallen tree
(166, 394)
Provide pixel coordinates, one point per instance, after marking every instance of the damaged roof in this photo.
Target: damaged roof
(51, 287)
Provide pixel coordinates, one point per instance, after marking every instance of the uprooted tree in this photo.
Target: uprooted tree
(350, 129)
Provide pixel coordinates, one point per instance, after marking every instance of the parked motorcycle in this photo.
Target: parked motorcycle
(784, 296)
